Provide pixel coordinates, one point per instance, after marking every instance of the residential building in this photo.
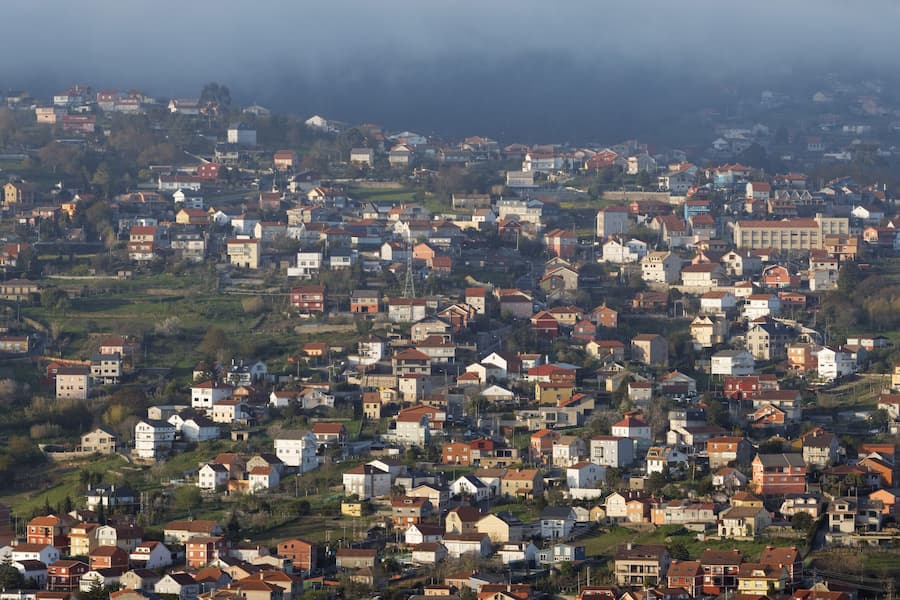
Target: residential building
(243, 252)
(726, 450)
(612, 451)
(297, 449)
(778, 474)
(641, 565)
(650, 349)
(153, 439)
(742, 522)
(660, 267)
(73, 383)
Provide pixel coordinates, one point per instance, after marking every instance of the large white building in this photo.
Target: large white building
(205, 395)
(297, 449)
(153, 438)
(834, 364)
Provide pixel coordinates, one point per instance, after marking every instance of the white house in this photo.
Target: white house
(761, 305)
(557, 522)
(197, 429)
(612, 451)
(518, 552)
(469, 485)
(717, 302)
(632, 427)
(212, 477)
(585, 475)
(422, 534)
(297, 449)
(242, 135)
(151, 555)
(262, 478)
(31, 570)
(43, 552)
(179, 584)
(308, 265)
(834, 364)
(367, 481)
(732, 362)
(230, 410)
(620, 253)
(205, 395)
(153, 438)
(461, 544)
(660, 267)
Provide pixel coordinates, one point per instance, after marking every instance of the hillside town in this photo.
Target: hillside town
(247, 356)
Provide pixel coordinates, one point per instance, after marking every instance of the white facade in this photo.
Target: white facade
(620, 253)
(761, 305)
(660, 267)
(153, 555)
(585, 475)
(212, 477)
(297, 449)
(660, 457)
(469, 485)
(153, 439)
(46, 554)
(308, 265)
(206, 394)
(367, 481)
(834, 364)
(732, 362)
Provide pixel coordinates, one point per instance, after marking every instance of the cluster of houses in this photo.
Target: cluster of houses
(68, 554)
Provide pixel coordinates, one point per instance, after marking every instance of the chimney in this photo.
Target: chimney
(628, 546)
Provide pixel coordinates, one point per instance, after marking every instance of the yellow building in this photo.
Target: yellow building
(83, 539)
(895, 377)
(549, 393)
(18, 193)
(352, 509)
(761, 580)
(372, 406)
(243, 252)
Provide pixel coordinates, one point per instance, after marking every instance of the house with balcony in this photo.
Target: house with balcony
(641, 565)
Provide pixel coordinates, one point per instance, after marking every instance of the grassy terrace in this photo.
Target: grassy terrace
(605, 542)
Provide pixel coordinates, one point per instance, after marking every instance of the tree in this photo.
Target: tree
(716, 413)
(102, 179)
(54, 298)
(801, 521)
(678, 551)
(96, 592)
(10, 577)
(214, 341)
(215, 97)
(643, 179)
(849, 277)
(188, 498)
(233, 528)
